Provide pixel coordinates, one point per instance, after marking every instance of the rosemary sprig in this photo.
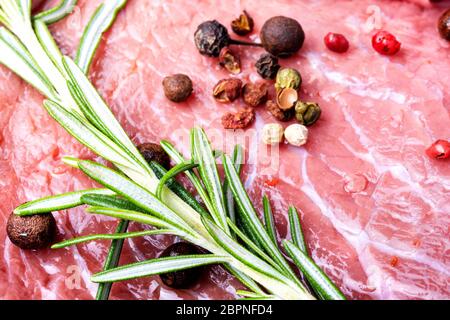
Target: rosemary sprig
(59, 202)
(57, 13)
(99, 23)
(118, 235)
(135, 191)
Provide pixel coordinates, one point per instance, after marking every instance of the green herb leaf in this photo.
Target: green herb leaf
(100, 22)
(253, 246)
(58, 202)
(14, 56)
(316, 277)
(48, 44)
(133, 192)
(256, 296)
(268, 219)
(178, 158)
(98, 112)
(229, 200)
(132, 216)
(178, 189)
(244, 279)
(172, 173)
(114, 236)
(64, 8)
(108, 201)
(87, 135)
(249, 216)
(237, 251)
(259, 270)
(296, 230)
(112, 261)
(157, 266)
(208, 171)
(25, 7)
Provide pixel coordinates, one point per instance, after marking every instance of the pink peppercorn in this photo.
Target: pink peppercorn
(385, 43)
(336, 42)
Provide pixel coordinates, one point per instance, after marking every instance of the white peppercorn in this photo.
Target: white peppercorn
(296, 134)
(272, 133)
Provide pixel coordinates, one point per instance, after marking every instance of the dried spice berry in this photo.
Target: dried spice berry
(439, 150)
(307, 113)
(272, 133)
(288, 78)
(182, 279)
(210, 37)
(282, 36)
(177, 87)
(31, 232)
(385, 43)
(286, 98)
(154, 152)
(277, 113)
(230, 61)
(336, 42)
(267, 66)
(255, 94)
(444, 25)
(227, 90)
(243, 25)
(296, 134)
(239, 120)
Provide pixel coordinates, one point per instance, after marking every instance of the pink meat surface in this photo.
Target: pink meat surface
(375, 209)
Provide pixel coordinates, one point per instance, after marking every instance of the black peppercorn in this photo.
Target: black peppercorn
(444, 25)
(211, 37)
(31, 232)
(267, 66)
(154, 152)
(282, 36)
(182, 279)
(177, 87)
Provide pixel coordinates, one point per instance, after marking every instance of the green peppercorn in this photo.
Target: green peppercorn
(288, 78)
(282, 36)
(307, 113)
(211, 37)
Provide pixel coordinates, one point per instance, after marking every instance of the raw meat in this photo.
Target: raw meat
(376, 210)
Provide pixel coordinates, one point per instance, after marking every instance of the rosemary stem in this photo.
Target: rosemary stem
(112, 261)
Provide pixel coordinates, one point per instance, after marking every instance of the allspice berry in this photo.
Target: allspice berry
(177, 87)
(154, 152)
(31, 232)
(182, 279)
(444, 25)
(282, 36)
